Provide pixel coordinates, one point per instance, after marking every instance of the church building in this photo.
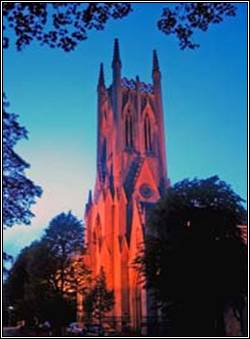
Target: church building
(131, 176)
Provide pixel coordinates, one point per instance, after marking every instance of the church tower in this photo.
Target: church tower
(131, 176)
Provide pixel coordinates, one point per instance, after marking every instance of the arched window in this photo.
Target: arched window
(147, 134)
(129, 130)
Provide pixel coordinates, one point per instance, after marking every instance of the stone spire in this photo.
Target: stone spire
(116, 65)
(90, 198)
(156, 73)
(89, 202)
(155, 61)
(101, 81)
(116, 54)
(116, 108)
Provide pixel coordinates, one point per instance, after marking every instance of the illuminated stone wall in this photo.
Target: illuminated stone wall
(131, 177)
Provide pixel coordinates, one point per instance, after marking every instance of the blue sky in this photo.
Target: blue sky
(54, 93)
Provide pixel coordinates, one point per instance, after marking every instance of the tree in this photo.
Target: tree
(48, 274)
(60, 25)
(19, 192)
(64, 25)
(17, 287)
(99, 300)
(184, 19)
(77, 277)
(63, 238)
(194, 258)
(6, 259)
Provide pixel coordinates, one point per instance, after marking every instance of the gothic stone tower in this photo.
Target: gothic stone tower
(131, 177)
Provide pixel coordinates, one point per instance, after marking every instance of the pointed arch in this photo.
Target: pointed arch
(149, 127)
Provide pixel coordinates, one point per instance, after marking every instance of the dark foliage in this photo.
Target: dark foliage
(64, 25)
(47, 275)
(195, 259)
(63, 238)
(6, 259)
(19, 192)
(64, 235)
(186, 18)
(18, 288)
(60, 25)
(98, 301)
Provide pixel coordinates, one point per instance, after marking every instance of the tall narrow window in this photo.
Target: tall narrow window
(147, 134)
(129, 131)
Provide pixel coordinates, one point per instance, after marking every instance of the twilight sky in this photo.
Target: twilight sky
(54, 93)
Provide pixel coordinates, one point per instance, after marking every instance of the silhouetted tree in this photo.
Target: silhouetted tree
(99, 300)
(194, 258)
(63, 237)
(19, 192)
(18, 288)
(47, 275)
(60, 25)
(64, 25)
(183, 19)
(6, 259)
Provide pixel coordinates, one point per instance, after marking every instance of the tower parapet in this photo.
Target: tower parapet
(131, 84)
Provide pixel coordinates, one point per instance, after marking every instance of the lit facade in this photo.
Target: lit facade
(131, 177)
